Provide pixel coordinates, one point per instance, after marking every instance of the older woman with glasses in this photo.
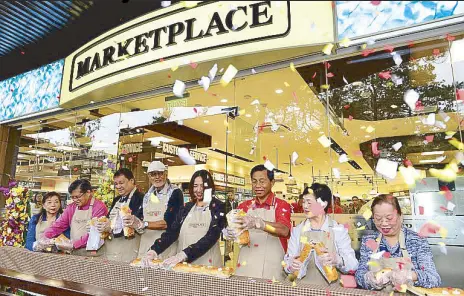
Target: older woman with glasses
(75, 216)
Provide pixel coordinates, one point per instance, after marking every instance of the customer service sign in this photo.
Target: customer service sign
(170, 37)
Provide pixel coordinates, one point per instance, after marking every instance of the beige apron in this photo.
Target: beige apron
(195, 227)
(313, 275)
(41, 226)
(119, 248)
(263, 258)
(399, 263)
(79, 229)
(154, 212)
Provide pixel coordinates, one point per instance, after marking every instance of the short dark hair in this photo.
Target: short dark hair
(386, 198)
(355, 197)
(300, 196)
(82, 184)
(43, 212)
(321, 191)
(206, 178)
(260, 168)
(124, 172)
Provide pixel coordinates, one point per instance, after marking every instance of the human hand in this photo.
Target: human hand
(103, 226)
(376, 280)
(329, 258)
(171, 261)
(401, 277)
(132, 222)
(251, 222)
(42, 244)
(229, 233)
(64, 245)
(294, 264)
(147, 260)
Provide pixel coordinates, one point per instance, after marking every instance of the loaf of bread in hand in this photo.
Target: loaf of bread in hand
(126, 211)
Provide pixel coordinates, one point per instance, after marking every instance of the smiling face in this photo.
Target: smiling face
(52, 205)
(386, 219)
(308, 200)
(123, 185)
(261, 184)
(198, 188)
(158, 179)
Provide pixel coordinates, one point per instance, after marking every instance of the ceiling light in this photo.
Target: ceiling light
(224, 101)
(281, 136)
(38, 152)
(246, 140)
(279, 91)
(248, 115)
(215, 143)
(22, 156)
(433, 153)
(363, 127)
(206, 121)
(416, 132)
(66, 148)
(170, 160)
(394, 106)
(91, 102)
(428, 161)
(367, 136)
(160, 140)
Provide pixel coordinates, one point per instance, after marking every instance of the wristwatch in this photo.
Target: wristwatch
(145, 224)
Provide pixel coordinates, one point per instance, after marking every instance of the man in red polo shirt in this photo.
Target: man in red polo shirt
(268, 221)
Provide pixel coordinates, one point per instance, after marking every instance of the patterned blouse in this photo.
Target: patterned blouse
(418, 249)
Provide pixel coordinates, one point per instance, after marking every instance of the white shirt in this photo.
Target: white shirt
(342, 245)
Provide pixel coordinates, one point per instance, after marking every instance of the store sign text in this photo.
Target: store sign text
(132, 148)
(231, 179)
(174, 150)
(177, 34)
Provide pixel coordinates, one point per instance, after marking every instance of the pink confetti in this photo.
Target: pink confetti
(423, 182)
(346, 107)
(195, 110)
(411, 44)
(295, 97)
(330, 75)
(256, 245)
(460, 94)
(161, 60)
(193, 65)
(428, 228)
(23, 53)
(347, 226)
(210, 261)
(389, 48)
(375, 3)
(436, 52)
(327, 65)
(372, 244)
(407, 162)
(429, 138)
(385, 75)
(358, 153)
(314, 75)
(348, 281)
(421, 210)
(375, 149)
(386, 255)
(448, 195)
(444, 209)
(367, 52)
(450, 37)
(350, 118)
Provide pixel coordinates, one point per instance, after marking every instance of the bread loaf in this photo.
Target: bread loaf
(382, 273)
(244, 237)
(103, 219)
(222, 272)
(330, 271)
(126, 211)
(435, 291)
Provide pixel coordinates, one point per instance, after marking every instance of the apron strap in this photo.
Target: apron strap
(404, 251)
(89, 211)
(379, 238)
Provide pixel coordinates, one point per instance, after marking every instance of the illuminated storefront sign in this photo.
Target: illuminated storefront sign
(174, 150)
(231, 179)
(176, 36)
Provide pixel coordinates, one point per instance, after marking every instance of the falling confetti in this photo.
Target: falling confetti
(450, 206)
(385, 75)
(397, 59)
(330, 75)
(372, 244)
(436, 52)
(174, 68)
(292, 67)
(344, 80)
(185, 156)
(376, 3)
(361, 228)
(294, 157)
(370, 129)
(212, 72)
(345, 42)
(205, 82)
(336, 173)
(228, 75)
(268, 165)
(367, 52)
(165, 3)
(375, 148)
(410, 98)
(449, 37)
(327, 50)
(343, 158)
(397, 146)
(255, 102)
(178, 88)
(421, 210)
(348, 281)
(387, 168)
(325, 142)
(286, 84)
(429, 138)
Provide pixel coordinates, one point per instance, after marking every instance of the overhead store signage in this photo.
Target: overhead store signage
(174, 151)
(176, 36)
(231, 179)
(30, 184)
(131, 148)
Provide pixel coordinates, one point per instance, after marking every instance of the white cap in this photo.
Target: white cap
(156, 166)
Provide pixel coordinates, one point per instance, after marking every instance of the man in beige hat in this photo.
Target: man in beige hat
(161, 205)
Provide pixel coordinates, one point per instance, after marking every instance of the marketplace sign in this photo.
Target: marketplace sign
(177, 35)
(174, 151)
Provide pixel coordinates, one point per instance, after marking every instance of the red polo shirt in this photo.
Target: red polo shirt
(282, 212)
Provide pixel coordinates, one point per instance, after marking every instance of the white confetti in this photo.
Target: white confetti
(178, 88)
(440, 124)
(445, 116)
(443, 248)
(410, 98)
(212, 72)
(378, 255)
(165, 4)
(450, 206)
(274, 127)
(221, 214)
(294, 157)
(205, 82)
(344, 80)
(325, 142)
(220, 71)
(397, 146)
(387, 168)
(397, 59)
(396, 79)
(343, 158)
(253, 71)
(255, 102)
(430, 120)
(228, 75)
(336, 173)
(185, 156)
(268, 165)
(371, 41)
(207, 195)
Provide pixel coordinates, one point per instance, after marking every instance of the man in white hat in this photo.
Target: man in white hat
(161, 205)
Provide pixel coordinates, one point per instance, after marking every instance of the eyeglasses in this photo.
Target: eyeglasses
(77, 197)
(261, 182)
(156, 174)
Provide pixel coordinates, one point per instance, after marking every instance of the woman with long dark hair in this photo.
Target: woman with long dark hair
(197, 227)
(51, 210)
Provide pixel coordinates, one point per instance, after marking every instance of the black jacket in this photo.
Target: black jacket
(198, 249)
(135, 204)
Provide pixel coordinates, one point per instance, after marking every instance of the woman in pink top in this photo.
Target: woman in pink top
(75, 216)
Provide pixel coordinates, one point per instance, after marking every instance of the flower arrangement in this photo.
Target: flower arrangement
(13, 228)
(105, 192)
